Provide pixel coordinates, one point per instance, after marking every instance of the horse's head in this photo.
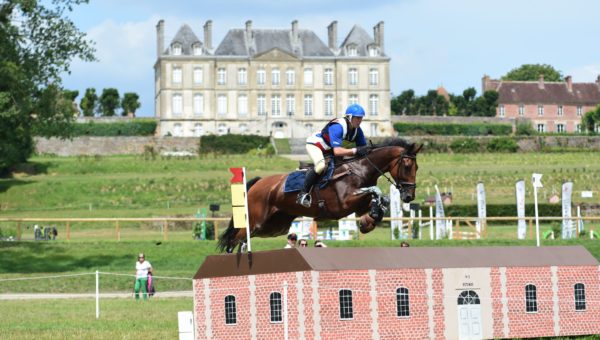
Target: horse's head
(404, 171)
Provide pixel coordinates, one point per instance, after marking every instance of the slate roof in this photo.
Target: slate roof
(359, 37)
(186, 37)
(336, 259)
(530, 92)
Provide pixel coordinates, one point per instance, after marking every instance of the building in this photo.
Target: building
(398, 293)
(281, 82)
(550, 106)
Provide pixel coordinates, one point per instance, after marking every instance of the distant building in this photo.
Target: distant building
(550, 106)
(398, 293)
(281, 82)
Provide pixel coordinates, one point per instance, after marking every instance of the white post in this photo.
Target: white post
(285, 310)
(537, 220)
(420, 223)
(430, 222)
(97, 294)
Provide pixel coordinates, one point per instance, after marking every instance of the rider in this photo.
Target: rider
(330, 140)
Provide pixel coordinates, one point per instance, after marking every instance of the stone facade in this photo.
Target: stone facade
(550, 106)
(281, 82)
(441, 303)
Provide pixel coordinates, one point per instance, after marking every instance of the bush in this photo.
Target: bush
(473, 129)
(197, 230)
(465, 145)
(547, 210)
(138, 127)
(502, 144)
(233, 144)
(525, 129)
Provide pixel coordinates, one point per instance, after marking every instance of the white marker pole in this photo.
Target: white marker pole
(536, 179)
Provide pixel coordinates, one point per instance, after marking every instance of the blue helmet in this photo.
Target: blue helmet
(355, 110)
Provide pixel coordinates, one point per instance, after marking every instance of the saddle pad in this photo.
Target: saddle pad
(295, 180)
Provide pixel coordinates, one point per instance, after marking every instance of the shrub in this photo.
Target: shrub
(502, 144)
(525, 129)
(465, 145)
(138, 127)
(233, 144)
(473, 129)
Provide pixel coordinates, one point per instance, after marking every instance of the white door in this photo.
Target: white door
(469, 316)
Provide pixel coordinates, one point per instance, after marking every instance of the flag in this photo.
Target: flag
(395, 210)
(481, 208)
(522, 225)
(568, 230)
(440, 224)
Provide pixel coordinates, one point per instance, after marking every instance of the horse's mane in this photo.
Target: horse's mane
(408, 146)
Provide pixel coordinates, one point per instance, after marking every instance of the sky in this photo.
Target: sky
(431, 43)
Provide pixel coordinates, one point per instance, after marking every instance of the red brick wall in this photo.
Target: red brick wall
(550, 116)
(497, 302)
(390, 325)
(522, 324)
(579, 322)
(438, 306)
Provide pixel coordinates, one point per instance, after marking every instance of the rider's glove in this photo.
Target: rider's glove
(361, 151)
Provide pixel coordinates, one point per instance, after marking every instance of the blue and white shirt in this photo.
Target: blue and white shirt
(334, 133)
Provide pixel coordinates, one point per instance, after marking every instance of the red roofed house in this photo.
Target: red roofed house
(398, 293)
(551, 106)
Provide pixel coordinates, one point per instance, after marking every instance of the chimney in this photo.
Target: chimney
(160, 38)
(378, 35)
(208, 35)
(295, 32)
(569, 81)
(598, 80)
(332, 35)
(485, 83)
(541, 82)
(249, 28)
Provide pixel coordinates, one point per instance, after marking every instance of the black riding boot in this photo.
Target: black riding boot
(304, 198)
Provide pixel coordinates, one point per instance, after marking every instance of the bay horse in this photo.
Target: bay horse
(351, 189)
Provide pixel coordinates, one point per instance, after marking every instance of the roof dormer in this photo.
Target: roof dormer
(176, 48)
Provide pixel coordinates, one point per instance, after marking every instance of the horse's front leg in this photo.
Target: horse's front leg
(378, 205)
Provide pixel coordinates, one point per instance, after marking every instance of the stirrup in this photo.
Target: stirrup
(304, 199)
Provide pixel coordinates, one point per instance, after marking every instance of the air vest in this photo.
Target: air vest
(349, 133)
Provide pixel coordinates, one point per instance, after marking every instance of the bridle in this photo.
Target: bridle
(402, 186)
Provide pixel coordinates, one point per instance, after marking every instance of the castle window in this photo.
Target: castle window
(177, 75)
(177, 104)
(402, 303)
(374, 104)
(290, 76)
(198, 104)
(328, 104)
(579, 296)
(221, 76)
(261, 102)
(328, 76)
(223, 130)
(198, 130)
(346, 311)
(308, 105)
(242, 76)
(373, 76)
(352, 51)
(290, 104)
(352, 99)
(275, 77)
(531, 299)
(275, 105)
(230, 309)
(352, 76)
(222, 104)
(373, 51)
(176, 49)
(177, 130)
(308, 76)
(275, 304)
(242, 105)
(261, 76)
(198, 76)
(197, 49)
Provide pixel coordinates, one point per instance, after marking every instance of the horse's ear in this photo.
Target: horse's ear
(419, 147)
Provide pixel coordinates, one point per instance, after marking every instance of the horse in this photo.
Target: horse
(351, 189)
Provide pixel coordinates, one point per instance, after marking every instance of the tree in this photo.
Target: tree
(71, 96)
(130, 103)
(532, 72)
(404, 104)
(590, 120)
(37, 44)
(89, 102)
(109, 102)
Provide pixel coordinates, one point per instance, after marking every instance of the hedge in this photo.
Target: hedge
(473, 129)
(503, 210)
(138, 127)
(232, 143)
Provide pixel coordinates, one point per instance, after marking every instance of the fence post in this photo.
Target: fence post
(216, 228)
(68, 230)
(530, 230)
(165, 229)
(118, 230)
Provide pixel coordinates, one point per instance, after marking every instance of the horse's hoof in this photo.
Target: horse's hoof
(367, 224)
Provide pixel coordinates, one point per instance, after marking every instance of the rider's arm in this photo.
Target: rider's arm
(360, 138)
(335, 137)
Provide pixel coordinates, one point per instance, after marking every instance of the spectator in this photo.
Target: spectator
(142, 268)
(37, 232)
(404, 244)
(291, 241)
(54, 233)
(320, 244)
(303, 243)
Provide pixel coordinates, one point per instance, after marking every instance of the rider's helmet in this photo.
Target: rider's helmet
(355, 110)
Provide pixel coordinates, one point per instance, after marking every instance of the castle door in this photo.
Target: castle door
(469, 315)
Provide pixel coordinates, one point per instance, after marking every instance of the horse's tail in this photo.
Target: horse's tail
(226, 239)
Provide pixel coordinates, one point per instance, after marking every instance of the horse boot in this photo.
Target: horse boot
(304, 198)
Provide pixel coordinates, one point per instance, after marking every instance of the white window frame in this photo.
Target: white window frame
(400, 293)
(221, 76)
(352, 99)
(275, 314)
(198, 75)
(198, 130)
(275, 77)
(177, 75)
(222, 104)
(501, 110)
(373, 51)
(578, 128)
(261, 105)
(197, 49)
(346, 304)
(373, 105)
(176, 49)
(328, 109)
(308, 76)
(374, 129)
(527, 299)
(540, 110)
(560, 128)
(242, 105)
(353, 76)
(541, 127)
(373, 76)
(261, 76)
(198, 104)
(560, 111)
(290, 104)
(308, 105)
(521, 110)
(222, 129)
(177, 104)
(275, 105)
(177, 130)
(579, 110)
(242, 76)
(290, 76)
(352, 51)
(328, 76)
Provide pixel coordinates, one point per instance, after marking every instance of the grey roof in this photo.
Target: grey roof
(335, 259)
(186, 37)
(236, 43)
(359, 37)
(525, 92)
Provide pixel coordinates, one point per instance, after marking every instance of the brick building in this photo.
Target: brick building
(398, 293)
(550, 106)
